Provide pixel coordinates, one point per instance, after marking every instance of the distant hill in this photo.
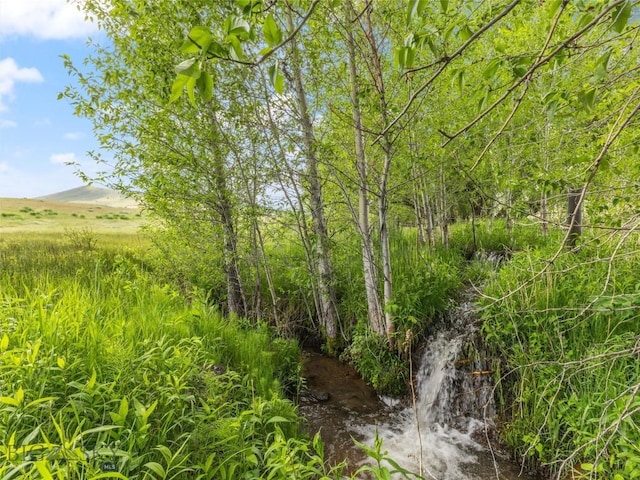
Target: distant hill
(92, 195)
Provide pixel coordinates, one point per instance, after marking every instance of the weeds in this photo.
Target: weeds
(571, 348)
(105, 373)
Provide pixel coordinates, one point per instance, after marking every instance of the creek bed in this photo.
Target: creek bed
(342, 407)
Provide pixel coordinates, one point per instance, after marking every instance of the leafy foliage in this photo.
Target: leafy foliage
(106, 373)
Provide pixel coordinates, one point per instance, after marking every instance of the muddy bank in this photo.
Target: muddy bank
(336, 401)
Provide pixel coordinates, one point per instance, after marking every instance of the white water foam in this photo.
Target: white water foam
(434, 439)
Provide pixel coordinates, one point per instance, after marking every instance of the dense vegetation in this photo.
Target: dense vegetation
(329, 168)
(103, 369)
(570, 345)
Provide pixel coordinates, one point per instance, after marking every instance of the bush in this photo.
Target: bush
(377, 364)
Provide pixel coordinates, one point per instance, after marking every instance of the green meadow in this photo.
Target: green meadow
(105, 372)
(22, 216)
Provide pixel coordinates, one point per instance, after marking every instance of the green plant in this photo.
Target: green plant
(569, 342)
(107, 374)
(378, 365)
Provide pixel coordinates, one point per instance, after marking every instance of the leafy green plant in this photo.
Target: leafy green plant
(107, 374)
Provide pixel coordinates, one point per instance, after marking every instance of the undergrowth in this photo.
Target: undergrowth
(427, 281)
(568, 332)
(106, 373)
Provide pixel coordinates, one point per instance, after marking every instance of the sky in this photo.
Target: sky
(39, 133)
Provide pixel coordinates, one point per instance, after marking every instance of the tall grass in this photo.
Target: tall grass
(106, 373)
(571, 380)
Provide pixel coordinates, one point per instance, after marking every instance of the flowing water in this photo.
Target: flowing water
(443, 436)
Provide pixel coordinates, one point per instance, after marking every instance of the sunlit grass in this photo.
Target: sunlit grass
(41, 217)
(103, 369)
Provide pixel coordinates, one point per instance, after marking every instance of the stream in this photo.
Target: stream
(442, 436)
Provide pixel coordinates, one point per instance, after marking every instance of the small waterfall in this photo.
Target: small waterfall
(439, 436)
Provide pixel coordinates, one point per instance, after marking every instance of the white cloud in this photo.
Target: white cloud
(4, 167)
(62, 158)
(7, 123)
(46, 19)
(10, 73)
(73, 135)
(42, 122)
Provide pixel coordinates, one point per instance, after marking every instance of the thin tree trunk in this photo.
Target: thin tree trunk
(327, 314)
(236, 302)
(374, 308)
(444, 217)
(383, 209)
(417, 207)
(544, 214)
(574, 216)
(426, 208)
(429, 216)
(509, 219)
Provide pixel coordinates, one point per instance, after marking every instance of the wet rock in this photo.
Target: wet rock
(218, 369)
(315, 397)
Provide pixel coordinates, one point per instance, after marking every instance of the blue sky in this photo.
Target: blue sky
(38, 133)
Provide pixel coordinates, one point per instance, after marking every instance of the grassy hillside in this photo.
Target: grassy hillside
(21, 215)
(90, 194)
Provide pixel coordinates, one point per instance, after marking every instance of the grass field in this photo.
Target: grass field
(106, 372)
(24, 216)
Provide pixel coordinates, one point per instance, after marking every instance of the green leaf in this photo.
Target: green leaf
(236, 46)
(92, 381)
(433, 47)
(465, 33)
(189, 68)
(620, 16)
(272, 33)
(124, 408)
(553, 8)
(457, 79)
(218, 50)
(40, 400)
(415, 8)
(278, 419)
(587, 467)
(199, 39)
(250, 6)
(205, 86)
(9, 401)
(600, 72)
(405, 57)
(156, 468)
(238, 26)
(519, 66)
(191, 85)
(587, 98)
(178, 87)
(491, 69)
(445, 5)
(277, 80)
(551, 105)
(43, 470)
